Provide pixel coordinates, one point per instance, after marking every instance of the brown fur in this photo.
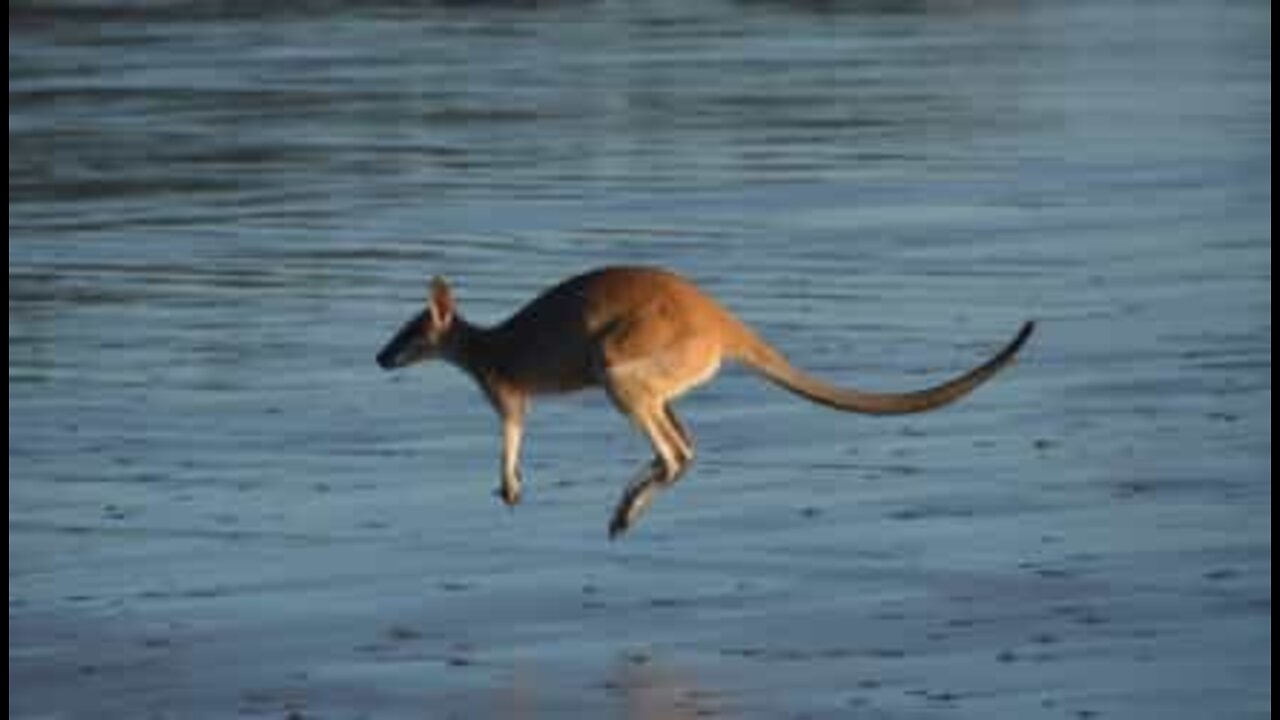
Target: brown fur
(646, 336)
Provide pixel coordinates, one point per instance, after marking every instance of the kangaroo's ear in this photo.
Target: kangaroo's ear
(440, 302)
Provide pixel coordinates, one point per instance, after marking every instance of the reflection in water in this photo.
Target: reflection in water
(650, 689)
(637, 686)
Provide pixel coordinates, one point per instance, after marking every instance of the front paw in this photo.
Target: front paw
(510, 494)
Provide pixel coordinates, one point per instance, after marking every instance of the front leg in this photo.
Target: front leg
(512, 428)
(511, 405)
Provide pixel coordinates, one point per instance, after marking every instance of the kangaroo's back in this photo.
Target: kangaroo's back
(552, 343)
(595, 299)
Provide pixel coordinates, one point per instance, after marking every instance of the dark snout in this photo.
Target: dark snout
(386, 359)
(405, 348)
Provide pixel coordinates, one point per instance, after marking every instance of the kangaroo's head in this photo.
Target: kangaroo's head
(426, 334)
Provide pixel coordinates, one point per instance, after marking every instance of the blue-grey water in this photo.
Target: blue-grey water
(219, 506)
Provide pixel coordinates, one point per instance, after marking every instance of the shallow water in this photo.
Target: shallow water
(218, 505)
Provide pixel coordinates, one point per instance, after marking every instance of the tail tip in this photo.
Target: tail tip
(1028, 327)
(1024, 332)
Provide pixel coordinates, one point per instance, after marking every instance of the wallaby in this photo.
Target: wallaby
(647, 336)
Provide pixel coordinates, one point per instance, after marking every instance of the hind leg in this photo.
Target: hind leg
(672, 454)
(643, 366)
(681, 434)
(654, 476)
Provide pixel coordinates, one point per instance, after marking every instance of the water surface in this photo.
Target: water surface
(218, 505)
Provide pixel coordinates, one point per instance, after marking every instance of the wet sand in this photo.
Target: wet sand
(868, 590)
(220, 507)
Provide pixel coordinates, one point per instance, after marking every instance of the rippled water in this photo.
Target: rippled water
(217, 214)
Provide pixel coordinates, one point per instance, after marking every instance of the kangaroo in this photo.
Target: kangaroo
(646, 336)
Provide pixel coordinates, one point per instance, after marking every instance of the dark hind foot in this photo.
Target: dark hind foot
(639, 495)
(634, 501)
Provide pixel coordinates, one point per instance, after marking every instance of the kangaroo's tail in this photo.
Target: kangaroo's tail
(754, 352)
